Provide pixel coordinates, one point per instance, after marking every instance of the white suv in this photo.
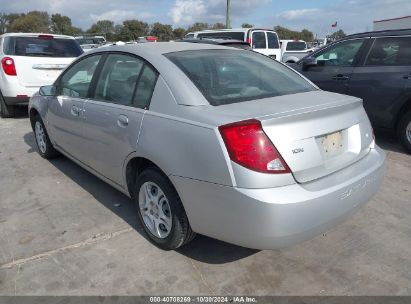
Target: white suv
(29, 61)
(261, 40)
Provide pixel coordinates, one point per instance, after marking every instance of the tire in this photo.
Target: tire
(44, 145)
(404, 131)
(160, 210)
(6, 111)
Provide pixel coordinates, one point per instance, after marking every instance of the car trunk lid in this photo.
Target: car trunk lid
(318, 140)
(38, 71)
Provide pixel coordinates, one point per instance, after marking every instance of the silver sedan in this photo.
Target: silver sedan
(212, 140)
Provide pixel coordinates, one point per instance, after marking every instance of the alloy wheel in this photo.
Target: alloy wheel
(155, 210)
(40, 137)
(408, 132)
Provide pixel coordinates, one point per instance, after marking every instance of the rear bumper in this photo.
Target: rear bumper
(21, 101)
(13, 92)
(279, 217)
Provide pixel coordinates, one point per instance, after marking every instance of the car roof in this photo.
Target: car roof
(159, 48)
(380, 33)
(35, 35)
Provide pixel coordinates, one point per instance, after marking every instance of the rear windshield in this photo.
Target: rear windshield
(42, 47)
(296, 46)
(231, 76)
(223, 35)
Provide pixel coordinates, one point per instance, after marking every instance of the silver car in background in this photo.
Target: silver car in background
(212, 140)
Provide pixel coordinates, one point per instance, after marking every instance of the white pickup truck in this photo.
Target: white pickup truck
(293, 50)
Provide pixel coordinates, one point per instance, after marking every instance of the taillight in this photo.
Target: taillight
(248, 146)
(248, 40)
(8, 66)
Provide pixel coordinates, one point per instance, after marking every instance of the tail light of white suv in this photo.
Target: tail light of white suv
(8, 66)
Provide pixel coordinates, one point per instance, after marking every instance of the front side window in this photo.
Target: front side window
(259, 40)
(230, 76)
(343, 53)
(118, 79)
(77, 79)
(390, 51)
(272, 40)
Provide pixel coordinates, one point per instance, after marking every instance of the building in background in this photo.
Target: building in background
(393, 24)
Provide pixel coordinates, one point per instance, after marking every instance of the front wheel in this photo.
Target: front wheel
(404, 131)
(160, 211)
(44, 145)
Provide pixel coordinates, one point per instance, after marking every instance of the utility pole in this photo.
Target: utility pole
(227, 15)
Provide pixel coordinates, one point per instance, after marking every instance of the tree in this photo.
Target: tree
(164, 32)
(76, 31)
(61, 25)
(3, 23)
(198, 26)
(285, 33)
(103, 27)
(307, 35)
(247, 25)
(179, 33)
(132, 29)
(34, 21)
(218, 25)
(12, 17)
(338, 34)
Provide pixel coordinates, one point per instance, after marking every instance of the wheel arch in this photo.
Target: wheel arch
(405, 108)
(33, 113)
(134, 165)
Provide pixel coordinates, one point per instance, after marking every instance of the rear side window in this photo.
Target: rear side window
(230, 76)
(145, 87)
(296, 46)
(390, 51)
(272, 40)
(259, 40)
(223, 35)
(46, 46)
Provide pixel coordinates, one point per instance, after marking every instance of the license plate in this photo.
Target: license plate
(332, 143)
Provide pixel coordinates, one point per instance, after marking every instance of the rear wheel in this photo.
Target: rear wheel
(45, 147)
(6, 111)
(160, 210)
(404, 131)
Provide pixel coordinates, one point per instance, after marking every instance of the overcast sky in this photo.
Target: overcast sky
(316, 15)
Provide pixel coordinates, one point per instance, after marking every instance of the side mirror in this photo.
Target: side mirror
(309, 62)
(48, 90)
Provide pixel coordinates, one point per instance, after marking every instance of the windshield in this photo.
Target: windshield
(42, 47)
(296, 46)
(230, 76)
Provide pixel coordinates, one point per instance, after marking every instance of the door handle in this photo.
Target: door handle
(407, 76)
(122, 121)
(341, 77)
(75, 111)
